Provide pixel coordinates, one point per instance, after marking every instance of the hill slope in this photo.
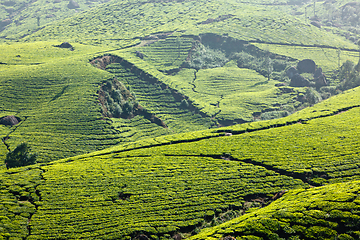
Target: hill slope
(161, 190)
(133, 97)
(322, 213)
(190, 65)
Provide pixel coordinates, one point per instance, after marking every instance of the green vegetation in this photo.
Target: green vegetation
(20, 156)
(349, 75)
(195, 177)
(328, 59)
(173, 194)
(117, 101)
(205, 57)
(128, 121)
(318, 213)
(17, 194)
(317, 151)
(23, 17)
(39, 86)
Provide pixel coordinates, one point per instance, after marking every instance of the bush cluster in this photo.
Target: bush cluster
(118, 101)
(349, 75)
(263, 64)
(206, 57)
(20, 156)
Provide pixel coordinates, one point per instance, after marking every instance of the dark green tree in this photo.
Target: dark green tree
(21, 156)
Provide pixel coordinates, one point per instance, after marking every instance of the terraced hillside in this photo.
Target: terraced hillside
(182, 183)
(187, 68)
(322, 213)
(133, 108)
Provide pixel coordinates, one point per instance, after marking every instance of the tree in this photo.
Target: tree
(20, 156)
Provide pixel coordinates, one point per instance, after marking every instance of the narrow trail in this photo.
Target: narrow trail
(193, 82)
(12, 131)
(38, 194)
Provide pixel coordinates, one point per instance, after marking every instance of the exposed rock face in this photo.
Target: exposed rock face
(72, 4)
(280, 85)
(320, 81)
(306, 66)
(291, 72)
(320, 78)
(318, 72)
(299, 81)
(9, 120)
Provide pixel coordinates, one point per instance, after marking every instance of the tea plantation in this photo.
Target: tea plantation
(160, 191)
(322, 213)
(180, 119)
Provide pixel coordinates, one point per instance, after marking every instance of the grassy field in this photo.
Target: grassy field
(180, 166)
(189, 181)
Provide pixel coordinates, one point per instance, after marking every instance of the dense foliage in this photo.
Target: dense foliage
(20, 156)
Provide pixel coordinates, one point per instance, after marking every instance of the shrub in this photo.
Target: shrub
(20, 156)
(117, 111)
(312, 96)
(128, 108)
(116, 95)
(184, 104)
(274, 115)
(349, 76)
(206, 57)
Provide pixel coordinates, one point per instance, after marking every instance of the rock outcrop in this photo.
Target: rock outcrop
(306, 66)
(299, 81)
(72, 4)
(319, 78)
(9, 120)
(291, 72)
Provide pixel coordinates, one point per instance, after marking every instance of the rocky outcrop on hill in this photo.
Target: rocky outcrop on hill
(306, 66)
(9, 120)
(72, 4)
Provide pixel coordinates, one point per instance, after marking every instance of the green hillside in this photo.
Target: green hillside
(188, 179)
(180, 119)
(204, 69)
(322, 213)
